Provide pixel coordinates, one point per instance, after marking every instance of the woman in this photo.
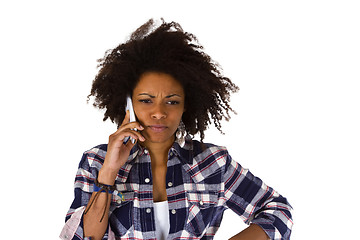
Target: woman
(166, 185)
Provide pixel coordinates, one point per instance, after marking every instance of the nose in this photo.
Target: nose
(158, 112)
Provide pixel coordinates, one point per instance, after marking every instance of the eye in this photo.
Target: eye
(173, 102)
(145, 100)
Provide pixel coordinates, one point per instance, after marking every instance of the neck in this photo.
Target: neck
(159, 151)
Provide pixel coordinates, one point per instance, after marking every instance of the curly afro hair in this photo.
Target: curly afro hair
(167, 49)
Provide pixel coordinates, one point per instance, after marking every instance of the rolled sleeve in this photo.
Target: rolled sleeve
(89, 167)
(73, 226)
(255, 202)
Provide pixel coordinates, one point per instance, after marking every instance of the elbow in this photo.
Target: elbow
(276, 221)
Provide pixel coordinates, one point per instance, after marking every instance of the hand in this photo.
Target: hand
(118, 152)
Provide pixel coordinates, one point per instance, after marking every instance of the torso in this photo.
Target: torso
(159, 183)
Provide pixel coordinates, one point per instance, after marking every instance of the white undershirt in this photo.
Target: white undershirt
(162, 224)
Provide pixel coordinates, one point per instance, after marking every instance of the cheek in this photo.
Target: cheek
(139, 114)
(177, 119)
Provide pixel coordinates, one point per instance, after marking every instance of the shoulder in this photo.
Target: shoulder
(94, 157)
(97, 150)
(208, 151)
(208, 160)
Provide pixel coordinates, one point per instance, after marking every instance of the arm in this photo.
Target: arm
(256, 203)
(116, 156)
(92, 225)
(79, 225)
(253, 232)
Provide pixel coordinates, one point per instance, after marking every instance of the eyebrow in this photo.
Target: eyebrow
(151, 96)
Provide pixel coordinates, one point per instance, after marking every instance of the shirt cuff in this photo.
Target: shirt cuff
(72, 225)
(274, 227)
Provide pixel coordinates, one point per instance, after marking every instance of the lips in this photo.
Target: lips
(158, 128)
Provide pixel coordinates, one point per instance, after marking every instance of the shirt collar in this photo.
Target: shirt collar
(184, 150)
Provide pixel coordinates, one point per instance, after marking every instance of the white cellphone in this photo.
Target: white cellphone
(129, 106)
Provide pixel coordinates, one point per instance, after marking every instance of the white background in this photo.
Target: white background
(296, 63)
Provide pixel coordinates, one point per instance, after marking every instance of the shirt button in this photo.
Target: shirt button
(173, 211)
(119, 201)
(148, 210)
(201, 203)
(147, 180)
(146, 151)
(66, 236)
(170, 184)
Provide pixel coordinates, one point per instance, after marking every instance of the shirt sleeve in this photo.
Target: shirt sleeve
(255, 202)
(89, 167)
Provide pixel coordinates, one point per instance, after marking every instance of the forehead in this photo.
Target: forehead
(156, 82)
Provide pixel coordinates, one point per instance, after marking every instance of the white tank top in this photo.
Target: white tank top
(162, 224)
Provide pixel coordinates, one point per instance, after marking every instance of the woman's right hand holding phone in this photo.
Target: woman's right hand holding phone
(118, 152)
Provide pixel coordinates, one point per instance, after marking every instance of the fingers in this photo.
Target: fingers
(128, 130)
(134, 126)
(118, 152)
(132, 134)
(126, 123)
(131, 130)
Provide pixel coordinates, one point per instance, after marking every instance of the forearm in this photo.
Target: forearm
(253, 232)
(93, 227)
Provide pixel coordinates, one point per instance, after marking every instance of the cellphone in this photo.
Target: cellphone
(129, 106)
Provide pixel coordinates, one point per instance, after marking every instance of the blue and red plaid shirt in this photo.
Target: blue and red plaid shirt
(202, 181)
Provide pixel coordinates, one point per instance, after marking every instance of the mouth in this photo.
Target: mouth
(158, 128)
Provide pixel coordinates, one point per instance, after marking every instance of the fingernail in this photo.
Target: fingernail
(141, 127)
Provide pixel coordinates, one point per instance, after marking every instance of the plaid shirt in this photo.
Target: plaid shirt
(202, 181)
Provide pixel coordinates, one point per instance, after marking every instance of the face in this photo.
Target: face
(158, 101)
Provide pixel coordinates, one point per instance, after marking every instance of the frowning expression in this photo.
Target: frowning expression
(158, 101)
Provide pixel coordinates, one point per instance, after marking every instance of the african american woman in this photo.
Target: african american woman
(166, 184)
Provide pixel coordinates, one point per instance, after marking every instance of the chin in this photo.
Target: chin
(159, 138)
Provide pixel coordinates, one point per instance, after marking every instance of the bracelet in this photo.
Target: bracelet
(103, 187)
(98, 188)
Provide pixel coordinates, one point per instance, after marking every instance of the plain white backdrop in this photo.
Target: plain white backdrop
(297, 66)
